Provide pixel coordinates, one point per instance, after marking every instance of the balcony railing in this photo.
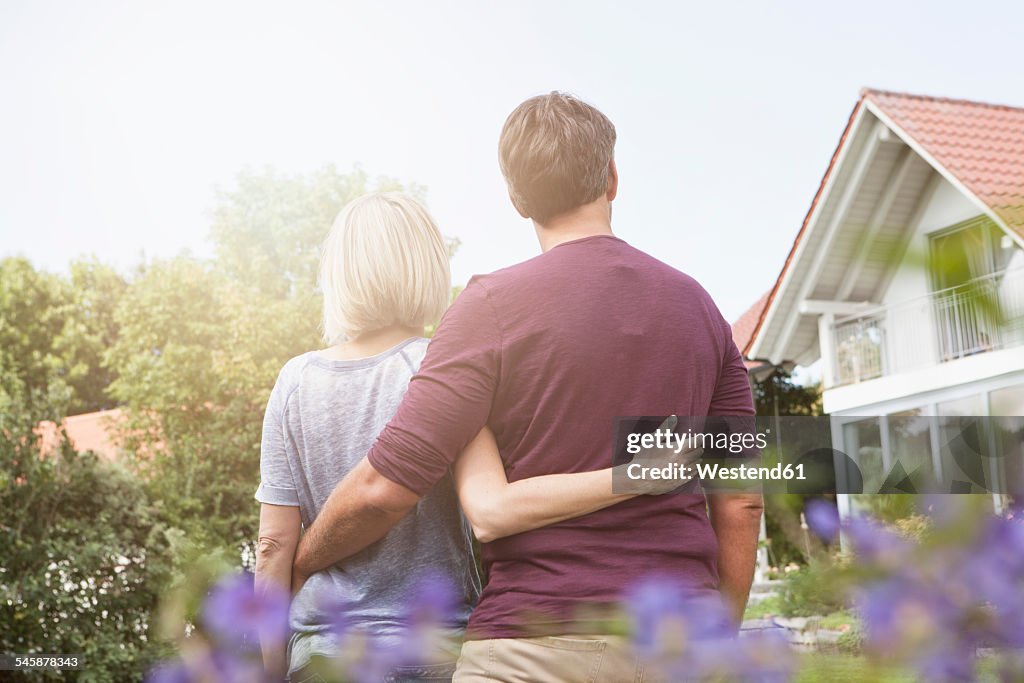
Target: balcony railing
(983, 315)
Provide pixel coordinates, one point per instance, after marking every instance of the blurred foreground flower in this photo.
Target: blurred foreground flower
(208, 666)
(823, 519)
(236, 615)
(689, 637)
(934, 604)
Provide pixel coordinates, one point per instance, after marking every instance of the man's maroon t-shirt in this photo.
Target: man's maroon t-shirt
(547, 353)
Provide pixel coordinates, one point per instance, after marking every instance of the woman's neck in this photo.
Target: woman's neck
(371, 343)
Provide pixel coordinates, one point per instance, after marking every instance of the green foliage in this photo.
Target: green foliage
(763, 608)
(815, 589)
(200, 344)
(189, 349)
(84, 556)
(778, 395)
(817, 667)
(891, 507)
(53, 333)
(838, 620)
(851, 642)
(196, 358)
(89, 330)
(788, 542)
(268, 230)
(33, 306)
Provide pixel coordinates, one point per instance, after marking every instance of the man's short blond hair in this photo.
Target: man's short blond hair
(554, 152)
(384, 263)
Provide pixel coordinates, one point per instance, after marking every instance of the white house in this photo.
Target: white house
(906, 279)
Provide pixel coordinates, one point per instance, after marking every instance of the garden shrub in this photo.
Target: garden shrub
(83, 557)
(812, 590)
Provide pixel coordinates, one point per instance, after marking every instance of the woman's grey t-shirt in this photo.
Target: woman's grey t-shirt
(322, 418)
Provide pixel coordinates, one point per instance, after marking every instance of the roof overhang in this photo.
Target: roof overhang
(789, 299)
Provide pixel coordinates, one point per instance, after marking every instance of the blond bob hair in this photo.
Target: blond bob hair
(384, 263)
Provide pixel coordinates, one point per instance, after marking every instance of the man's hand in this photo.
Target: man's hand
(363, 507)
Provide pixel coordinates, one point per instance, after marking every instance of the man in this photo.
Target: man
(547, 353)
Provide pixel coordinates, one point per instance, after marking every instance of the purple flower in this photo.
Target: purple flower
(666, 616)
(688, 636)
(822, 518)
(236, 614)
(208, 666)
(766, 657)
(657, 607)
(900, 615)
(432, 610)
(434, 600)
(335, 612)
(949, 664)
(169, 672)
(874, 544)
(225, 667)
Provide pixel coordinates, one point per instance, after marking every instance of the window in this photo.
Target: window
(967, 265)
(910, 444)
(965, 252)
(1008, 407)
(863, 442)
(963, 445)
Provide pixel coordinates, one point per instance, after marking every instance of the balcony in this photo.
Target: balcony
(986, 314)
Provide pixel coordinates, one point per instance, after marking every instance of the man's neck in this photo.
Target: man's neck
(588, 220)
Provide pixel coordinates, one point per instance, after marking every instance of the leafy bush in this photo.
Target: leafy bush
(851, 642)
(83, 558)
(812, 590)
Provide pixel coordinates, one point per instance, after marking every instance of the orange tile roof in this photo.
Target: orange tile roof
(86, 432)
(743, 328)
(982, 145)
(979, 144)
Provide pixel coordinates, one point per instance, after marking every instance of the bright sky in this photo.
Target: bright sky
(118, 121)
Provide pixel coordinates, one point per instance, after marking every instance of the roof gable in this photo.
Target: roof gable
(981, 145)
(975, 145)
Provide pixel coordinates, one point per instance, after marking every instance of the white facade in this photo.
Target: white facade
(912, 369)
(910, 293)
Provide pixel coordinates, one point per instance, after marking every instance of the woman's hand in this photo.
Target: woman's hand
(653, 459)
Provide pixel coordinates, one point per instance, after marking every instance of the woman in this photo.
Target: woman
(384, 275)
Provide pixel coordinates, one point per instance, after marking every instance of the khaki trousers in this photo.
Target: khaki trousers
(551, 659)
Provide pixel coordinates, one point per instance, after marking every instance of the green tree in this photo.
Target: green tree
(90, 328)
(54, 332)
(33, 308)
(200, 343)
(267, 231)
(195, 360)
(83, 555)
(778, 395)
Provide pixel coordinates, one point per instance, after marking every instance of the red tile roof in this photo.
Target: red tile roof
(743, 328)
(86, 432)
(980, 144)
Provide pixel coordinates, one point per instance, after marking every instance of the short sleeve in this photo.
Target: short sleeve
(732, 390)
(277, 486)
(449, 399)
